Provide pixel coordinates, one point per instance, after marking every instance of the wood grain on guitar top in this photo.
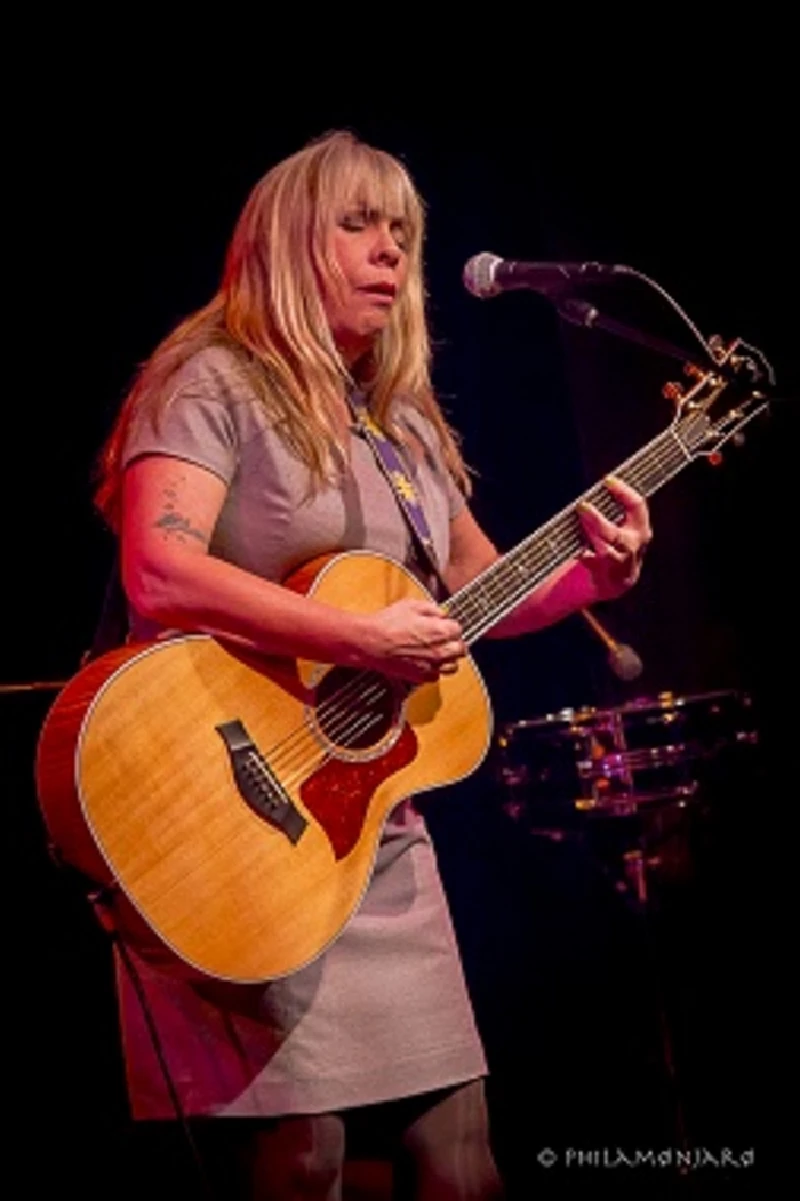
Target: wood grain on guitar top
(136, 784)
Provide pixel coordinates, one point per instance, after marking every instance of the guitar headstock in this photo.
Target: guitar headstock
(719, 400)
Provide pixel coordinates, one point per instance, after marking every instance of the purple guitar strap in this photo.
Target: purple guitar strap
(400, 481)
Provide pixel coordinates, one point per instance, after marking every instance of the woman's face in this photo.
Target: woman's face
(370, 250)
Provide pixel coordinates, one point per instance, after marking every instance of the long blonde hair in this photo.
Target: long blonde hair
(268, 311)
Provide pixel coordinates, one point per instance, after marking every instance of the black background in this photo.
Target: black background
(126, 197)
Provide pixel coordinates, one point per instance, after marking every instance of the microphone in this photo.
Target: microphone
(487, 275)
(622, 659)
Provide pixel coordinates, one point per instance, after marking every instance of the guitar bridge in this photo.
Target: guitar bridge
(257, 784)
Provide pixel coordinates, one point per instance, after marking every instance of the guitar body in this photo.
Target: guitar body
(137, 783)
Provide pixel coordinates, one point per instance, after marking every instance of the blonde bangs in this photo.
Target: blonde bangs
(269, 310)
(353, 174)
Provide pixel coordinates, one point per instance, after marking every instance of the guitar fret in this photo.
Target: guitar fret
(485, 601)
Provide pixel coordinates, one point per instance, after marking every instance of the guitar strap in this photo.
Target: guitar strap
(405, 493)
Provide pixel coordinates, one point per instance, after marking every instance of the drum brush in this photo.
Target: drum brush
(622, 659)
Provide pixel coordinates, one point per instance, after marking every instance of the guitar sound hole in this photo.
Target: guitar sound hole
(355, 709)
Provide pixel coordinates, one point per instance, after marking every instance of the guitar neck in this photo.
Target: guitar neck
(487, 599)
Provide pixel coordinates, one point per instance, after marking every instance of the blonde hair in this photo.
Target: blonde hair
(269, 312)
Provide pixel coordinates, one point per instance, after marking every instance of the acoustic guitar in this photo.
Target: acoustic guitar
(233, 806)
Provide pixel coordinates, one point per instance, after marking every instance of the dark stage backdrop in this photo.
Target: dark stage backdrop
(145, 210)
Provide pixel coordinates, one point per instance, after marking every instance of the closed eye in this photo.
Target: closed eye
(401, 233)
(355, 220)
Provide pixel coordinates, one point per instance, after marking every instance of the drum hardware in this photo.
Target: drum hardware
(627, 787)
(630, 788)
(627, 782)
(613, 762)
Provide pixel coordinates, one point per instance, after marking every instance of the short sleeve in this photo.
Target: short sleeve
(196, 423)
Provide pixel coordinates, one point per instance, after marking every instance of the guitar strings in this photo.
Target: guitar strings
(301, 770)
(343, 722)
(565, 540)
(561, 542)
(292, 773)
(338, 706)
(335, 719)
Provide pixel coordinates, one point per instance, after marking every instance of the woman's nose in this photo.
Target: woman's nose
(385, 245)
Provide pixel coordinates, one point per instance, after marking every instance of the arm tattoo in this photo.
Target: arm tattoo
(171, 522)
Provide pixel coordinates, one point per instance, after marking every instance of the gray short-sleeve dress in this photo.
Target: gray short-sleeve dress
(384, 1012)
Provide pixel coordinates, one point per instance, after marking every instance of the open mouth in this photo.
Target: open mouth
(384, 292)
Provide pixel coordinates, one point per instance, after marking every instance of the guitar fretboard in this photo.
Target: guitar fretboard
(488, 598)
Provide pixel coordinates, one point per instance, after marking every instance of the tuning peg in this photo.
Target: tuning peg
(719, 348)
(715, 458)
(672, 391)
(693, 371)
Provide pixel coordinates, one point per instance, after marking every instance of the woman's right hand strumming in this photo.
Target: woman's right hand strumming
(412, 639)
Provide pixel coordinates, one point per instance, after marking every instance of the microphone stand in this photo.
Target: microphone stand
(581, 312)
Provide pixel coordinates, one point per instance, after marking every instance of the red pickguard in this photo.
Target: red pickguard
(339, 794)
